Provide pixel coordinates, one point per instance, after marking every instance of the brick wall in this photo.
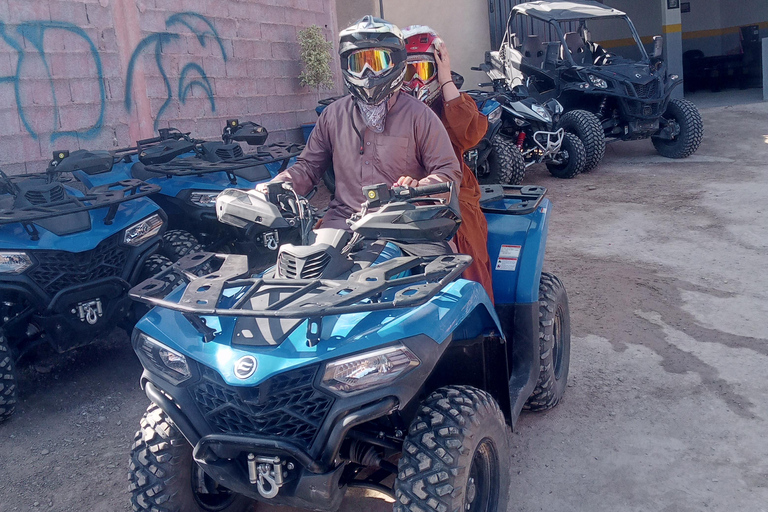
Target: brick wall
(100, 74)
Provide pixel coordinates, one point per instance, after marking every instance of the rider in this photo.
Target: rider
(428, 78)
(376, 134)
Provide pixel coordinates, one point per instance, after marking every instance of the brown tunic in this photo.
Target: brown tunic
(414, 143)
(466, 127)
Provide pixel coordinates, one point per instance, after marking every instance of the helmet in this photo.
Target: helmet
(421, 71)
(373, 58)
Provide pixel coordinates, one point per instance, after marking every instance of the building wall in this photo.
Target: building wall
(712, 26)
(100, 74)
(349, 11)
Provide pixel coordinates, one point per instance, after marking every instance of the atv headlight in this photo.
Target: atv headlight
(598, 82)
(369, 369)
(495, 115)
(157, 356)
(14, 262)
(143, 230)
(203, 198)
(543, 112)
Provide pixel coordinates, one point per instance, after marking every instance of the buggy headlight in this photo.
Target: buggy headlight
(155, 355)
(14, 262)
(598, 82)
(495, 115)
(369, 369)
(203, 198)
(542, 111)
(143, 230)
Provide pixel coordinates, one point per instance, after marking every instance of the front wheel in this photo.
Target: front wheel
(7, 379)
(164, 476)
(685, 143)
(586, 126)
(456, 455)
(570, 160)
(554, 344)
(505, 163)
(177, 243)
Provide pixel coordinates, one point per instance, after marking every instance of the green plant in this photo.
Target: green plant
(316, 56)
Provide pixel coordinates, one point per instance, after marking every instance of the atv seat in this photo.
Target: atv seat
(533, 51)
(581, 54)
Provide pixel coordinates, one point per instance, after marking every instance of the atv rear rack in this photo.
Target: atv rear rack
(492, 198)
(375, 288)
(110, 195)
(267, 154)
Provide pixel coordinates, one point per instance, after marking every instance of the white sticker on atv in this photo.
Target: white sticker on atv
(507, 259)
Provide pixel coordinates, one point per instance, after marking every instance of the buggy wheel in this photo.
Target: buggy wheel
(586, 126)
(164, 476)
(505, 163)
(8, 379)
(554, 344)
(177, 243)
(455, 456)
(685, 143)
(571, 158)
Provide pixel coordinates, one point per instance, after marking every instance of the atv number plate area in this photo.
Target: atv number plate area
(88, 311)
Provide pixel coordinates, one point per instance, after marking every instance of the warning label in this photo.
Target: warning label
(508, 255)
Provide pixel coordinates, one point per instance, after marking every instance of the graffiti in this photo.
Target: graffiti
(34, 33)
(204, 30)
(32, 50)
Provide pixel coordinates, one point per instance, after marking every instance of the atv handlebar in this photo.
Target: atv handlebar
(378, 194)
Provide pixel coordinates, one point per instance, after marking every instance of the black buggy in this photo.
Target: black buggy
(590, 57)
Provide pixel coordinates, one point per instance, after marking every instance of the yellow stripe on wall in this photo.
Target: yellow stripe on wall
(671, 29)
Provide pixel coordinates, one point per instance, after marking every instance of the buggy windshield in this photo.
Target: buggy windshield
(603, 41)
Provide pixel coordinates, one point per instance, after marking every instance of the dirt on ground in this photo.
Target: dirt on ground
(666, 267)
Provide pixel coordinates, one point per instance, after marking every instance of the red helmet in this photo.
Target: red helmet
(421, 72)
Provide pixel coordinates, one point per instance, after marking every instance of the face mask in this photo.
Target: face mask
(374, 115)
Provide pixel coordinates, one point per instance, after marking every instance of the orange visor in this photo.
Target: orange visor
(424, 69)
(375, 59)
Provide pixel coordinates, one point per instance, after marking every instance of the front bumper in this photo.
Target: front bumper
(287, 416)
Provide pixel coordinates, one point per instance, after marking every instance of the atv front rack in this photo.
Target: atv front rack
(111, 195)
(267, 154)
(375, 288)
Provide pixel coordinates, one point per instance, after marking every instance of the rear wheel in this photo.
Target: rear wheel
(456, 455)
(7, 379)
(687, 141)
(177, 243)
(505, 163)
(164, 476)
(554, 344)
(571, 159)
(586, 126)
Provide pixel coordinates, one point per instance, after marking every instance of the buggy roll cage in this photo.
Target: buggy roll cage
(313, 299)
(554, 21)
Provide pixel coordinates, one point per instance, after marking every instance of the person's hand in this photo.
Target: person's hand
(262, 187)
(406, 181)
(443, 61)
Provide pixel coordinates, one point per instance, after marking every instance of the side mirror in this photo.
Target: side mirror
(658, 46)
(521, 91)
(458, 80)
(251, 133)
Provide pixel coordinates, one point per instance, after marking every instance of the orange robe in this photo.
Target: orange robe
(466, 127)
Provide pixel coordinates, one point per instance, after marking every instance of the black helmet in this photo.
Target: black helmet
(373, 59)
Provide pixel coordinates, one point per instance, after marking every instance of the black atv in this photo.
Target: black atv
(554, 47)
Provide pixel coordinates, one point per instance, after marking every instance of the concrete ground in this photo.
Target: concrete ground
(666, 266)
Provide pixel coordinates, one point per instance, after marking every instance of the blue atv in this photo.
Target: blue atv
(191, 173)
(353, 362)
(69, 253)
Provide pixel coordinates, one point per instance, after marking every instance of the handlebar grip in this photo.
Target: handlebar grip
(428, 190)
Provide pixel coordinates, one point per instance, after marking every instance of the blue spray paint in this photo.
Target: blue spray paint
(191, 21)
(34, 32)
